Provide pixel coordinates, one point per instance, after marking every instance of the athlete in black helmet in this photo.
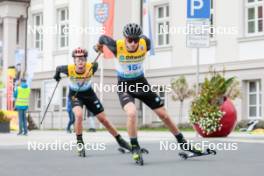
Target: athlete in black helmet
(130, 53)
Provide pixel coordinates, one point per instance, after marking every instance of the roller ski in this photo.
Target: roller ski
(189, 151)
(81, 150)
(185, 155)
(126, 148)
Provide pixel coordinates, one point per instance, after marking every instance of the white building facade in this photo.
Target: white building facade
(237, 46)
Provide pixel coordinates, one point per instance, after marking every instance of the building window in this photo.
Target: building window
(63, 27)
(64, 97)
(162, 25)
(212, 15)
(254, 99)
(37, 99)
(254, 16)
(38, 34)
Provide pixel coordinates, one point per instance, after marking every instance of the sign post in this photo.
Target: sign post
(198, 25)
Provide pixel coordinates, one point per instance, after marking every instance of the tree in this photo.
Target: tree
(180, 92)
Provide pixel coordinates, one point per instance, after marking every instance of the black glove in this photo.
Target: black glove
(98, 48)
(57, 76)
(94, 67)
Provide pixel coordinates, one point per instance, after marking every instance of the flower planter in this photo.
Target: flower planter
(228, 121)
(5, 127)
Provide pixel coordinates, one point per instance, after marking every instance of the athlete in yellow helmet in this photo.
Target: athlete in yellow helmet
(81, 93)
(130, 54)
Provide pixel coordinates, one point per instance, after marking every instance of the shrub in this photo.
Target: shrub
(205, 109)
(3, 118)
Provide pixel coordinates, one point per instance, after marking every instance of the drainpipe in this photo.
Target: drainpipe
(26, 36)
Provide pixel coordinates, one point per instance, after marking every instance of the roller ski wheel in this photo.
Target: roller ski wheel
(138, 156)
(185, 155)
(81, 150)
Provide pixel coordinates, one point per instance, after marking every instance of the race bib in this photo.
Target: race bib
(130, 70)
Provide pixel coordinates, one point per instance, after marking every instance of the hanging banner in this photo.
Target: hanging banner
(33, 64)
(19, 57)
(147, 28)
(104, 15)
(11, 73)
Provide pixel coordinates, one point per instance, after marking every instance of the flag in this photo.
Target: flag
(104, 15)
(147, 29)
(11, 73)
(33, 64)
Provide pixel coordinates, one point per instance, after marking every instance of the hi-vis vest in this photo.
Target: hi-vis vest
(22, 96)
(130, 65)
(76, 80)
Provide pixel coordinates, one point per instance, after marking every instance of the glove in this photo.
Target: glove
(94, 67)
(98, 48)
(57, 76)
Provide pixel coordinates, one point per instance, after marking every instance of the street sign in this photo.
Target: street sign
(198, 23)
(198, 33)
(198, 9)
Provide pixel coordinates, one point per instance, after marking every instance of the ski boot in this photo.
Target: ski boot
(80, 149)
(124, 147)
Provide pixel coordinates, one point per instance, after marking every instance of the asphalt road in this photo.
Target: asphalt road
(19, 161)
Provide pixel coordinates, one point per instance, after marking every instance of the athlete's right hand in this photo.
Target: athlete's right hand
(57, 76)
(98, 48)
(94, 67)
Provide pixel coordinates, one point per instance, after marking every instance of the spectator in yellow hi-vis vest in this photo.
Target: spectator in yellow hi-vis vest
(21, 94)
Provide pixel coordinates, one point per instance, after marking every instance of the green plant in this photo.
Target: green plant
(233, 91)
(205, 109)
(3, 118)
(180, 91)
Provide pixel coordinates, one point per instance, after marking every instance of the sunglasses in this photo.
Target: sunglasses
(135, 40)
(80, 59)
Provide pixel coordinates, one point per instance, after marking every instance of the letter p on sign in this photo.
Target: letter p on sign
(198, 9)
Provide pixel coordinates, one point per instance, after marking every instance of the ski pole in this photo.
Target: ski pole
(95, 60)
(49, 103)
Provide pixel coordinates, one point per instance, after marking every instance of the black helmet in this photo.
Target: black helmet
(132, 30)
(79, 52)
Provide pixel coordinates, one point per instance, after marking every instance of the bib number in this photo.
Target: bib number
(134, 67)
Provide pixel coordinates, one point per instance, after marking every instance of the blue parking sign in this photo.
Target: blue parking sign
(198, 9)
